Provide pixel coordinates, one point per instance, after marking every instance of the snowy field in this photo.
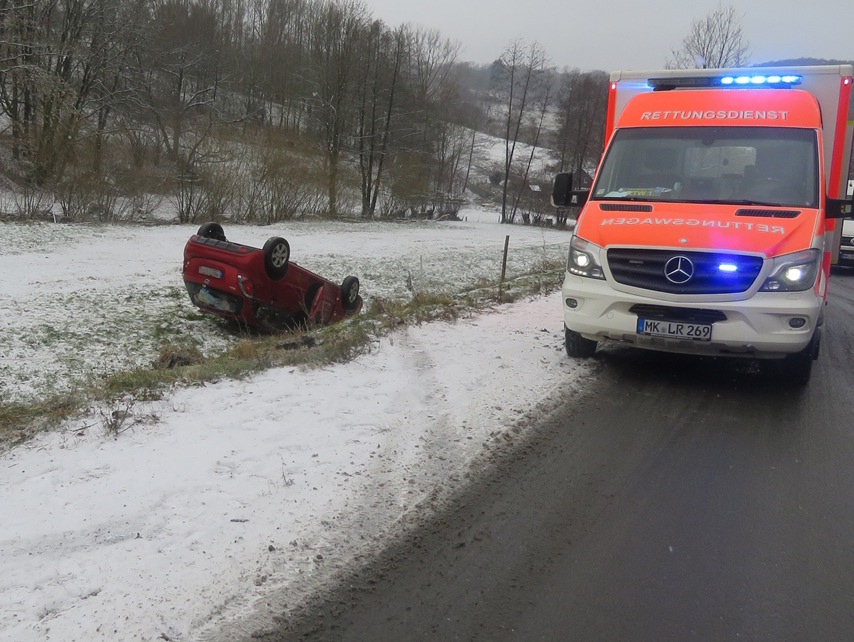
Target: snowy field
(224, 505)
(83, 301)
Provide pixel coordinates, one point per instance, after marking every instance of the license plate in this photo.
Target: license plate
(848, 256)
(675, 329)
(209, 271)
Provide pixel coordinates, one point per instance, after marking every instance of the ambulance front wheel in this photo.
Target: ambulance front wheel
(797, 368)
(577, 346)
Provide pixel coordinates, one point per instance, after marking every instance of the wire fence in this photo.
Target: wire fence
(449, 271)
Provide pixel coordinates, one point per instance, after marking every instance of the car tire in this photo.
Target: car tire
(212, 231)
(277, 255)
(350, 293)
(577, 346)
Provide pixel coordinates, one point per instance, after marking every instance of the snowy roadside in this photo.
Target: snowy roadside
(231, 496)
(221, 506)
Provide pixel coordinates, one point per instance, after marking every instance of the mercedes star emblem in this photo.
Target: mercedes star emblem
(679, 269)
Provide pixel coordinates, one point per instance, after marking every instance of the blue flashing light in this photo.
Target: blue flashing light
(741, 80)
(728, 268)
(771, 80)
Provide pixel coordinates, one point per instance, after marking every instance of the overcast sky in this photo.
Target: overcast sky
(624, 34)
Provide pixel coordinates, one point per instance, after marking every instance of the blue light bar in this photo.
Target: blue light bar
(741, 80)
(771, 80)
(728, 267)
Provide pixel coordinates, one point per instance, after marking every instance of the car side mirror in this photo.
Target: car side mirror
(564, 196)
(841, 207)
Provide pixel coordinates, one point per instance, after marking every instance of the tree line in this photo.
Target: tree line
(241, 108)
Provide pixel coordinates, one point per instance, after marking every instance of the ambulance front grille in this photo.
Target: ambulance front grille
(683, 272)
(683, 315)
(624, 207)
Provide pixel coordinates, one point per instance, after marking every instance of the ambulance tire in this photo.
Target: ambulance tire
(797, 368)
(577, 346)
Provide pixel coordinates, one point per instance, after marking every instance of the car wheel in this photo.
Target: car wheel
(277, 253)
(577, 346)
(350, 292)
(212, 231)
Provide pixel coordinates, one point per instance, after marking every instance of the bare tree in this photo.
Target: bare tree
(282, 49)
(334, 41)
(108, 91)
(174, 81)
(382, 57)
(542, 105)
(714, 42)
(521, 75)
(58, 70)
(581, 106)
(431, 92)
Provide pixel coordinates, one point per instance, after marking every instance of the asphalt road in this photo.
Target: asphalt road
(682, 499)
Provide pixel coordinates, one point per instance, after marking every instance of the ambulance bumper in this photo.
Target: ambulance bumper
(767, 325)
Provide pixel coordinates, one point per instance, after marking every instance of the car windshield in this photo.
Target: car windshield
(744, 165)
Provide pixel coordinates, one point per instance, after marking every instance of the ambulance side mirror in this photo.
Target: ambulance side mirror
(564, 196)
(838, 208)
(841, 207)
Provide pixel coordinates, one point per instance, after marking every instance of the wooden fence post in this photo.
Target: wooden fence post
(504, 261)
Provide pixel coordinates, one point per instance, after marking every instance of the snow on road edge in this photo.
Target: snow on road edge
(226, 504)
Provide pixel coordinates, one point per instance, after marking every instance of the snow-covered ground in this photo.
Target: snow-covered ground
(82, 301)
(222, 506)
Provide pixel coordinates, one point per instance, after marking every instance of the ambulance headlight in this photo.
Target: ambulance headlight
(584, 259)
(793, 272)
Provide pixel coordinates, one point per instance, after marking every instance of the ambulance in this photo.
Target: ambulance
(710, 226)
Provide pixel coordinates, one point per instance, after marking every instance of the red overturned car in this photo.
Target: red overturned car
(261, 287)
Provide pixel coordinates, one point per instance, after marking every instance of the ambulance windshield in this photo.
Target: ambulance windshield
(742, 165)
